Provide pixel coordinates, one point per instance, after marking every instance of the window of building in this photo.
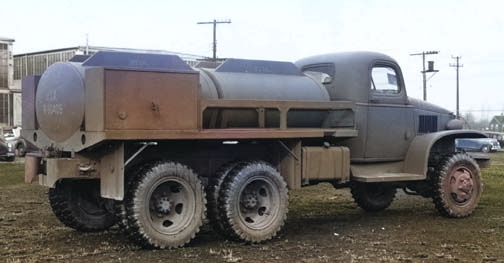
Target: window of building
(5, 108)
(4, 66)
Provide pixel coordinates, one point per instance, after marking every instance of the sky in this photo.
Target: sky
(288, 30)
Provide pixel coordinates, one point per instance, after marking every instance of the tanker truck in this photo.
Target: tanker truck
(160, 148)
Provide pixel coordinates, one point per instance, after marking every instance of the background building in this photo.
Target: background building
(6, 82)
(497, 123)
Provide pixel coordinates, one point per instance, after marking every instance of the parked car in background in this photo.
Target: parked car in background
(7, 152)
(13, 136)
(478, 144)
(496, 135)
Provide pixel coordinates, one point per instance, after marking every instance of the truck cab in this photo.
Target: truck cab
(387, 119)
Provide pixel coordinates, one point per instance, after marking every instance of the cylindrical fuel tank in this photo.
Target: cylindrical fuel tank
(245, 86)
(262, 80)
(60, 99)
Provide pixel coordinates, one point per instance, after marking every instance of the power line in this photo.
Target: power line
(215, 22)
(457, 66)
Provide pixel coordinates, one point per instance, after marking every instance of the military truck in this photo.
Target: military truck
(157, 146)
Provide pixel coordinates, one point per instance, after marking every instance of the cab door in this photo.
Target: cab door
(390, 121)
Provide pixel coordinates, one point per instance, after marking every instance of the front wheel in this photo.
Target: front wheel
(253, 202)
(486, 148)
(457, 185)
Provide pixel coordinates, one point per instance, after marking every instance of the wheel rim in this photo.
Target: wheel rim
(461, 185)
(258, 203)
(171, 206)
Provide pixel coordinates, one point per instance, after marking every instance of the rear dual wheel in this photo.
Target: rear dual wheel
(164, 205)
(252, 203)
(212, 194)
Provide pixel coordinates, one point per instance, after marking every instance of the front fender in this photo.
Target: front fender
(422, 146)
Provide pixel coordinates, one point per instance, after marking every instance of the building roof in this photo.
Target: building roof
(98, 48)
(6, 39)
(498, 118)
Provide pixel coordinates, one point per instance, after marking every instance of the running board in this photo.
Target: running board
(383, 172)
(388, 177)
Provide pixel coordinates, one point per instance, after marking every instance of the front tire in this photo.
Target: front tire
(253, 202)
(165, 205)
(457, 185)
(78, 204)
(486, 148)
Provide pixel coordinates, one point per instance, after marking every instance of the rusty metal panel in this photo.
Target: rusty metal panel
(321, 163)
(136, 100)
(256, 133)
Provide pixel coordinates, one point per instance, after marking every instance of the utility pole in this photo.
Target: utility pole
(215, 22)
(457, 66)
(87, 45)
(430, 69)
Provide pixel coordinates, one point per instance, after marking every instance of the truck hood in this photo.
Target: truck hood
(423, 105)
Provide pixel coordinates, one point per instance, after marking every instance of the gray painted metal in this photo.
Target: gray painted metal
(138, 61)
(266, 86)
(59, 101)
(352, 73)
(417, 157)
(259, 67)
(387, 123)
(259, 80)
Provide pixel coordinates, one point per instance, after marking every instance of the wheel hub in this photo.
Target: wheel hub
(461, 185)
(163, 205)
(249, 200)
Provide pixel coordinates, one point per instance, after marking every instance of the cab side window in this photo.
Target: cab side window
(384, 80)
(322, 73)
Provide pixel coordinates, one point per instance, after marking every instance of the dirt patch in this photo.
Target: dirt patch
(324, 225)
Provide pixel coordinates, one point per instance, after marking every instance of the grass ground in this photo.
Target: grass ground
(324, 225)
